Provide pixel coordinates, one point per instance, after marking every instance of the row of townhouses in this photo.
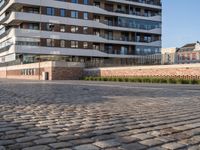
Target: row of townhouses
(187, 54)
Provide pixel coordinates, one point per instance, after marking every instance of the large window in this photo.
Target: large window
(50, 42)
(50, 11)
(33, 26)
(74, 1)
(85, 30)
(85, 44)
(62, 12)
(74, 29)
(74, 14)
(138, 23)
(85, 15)
(74, 44)
(62, 28)
(62, 43)
(86, 2)
(50, 26)
(147, 50)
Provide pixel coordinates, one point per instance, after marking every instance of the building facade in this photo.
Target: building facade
(168, 55)
(187, 54)
(79, 30)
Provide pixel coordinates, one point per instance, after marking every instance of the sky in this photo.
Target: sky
(181, 22)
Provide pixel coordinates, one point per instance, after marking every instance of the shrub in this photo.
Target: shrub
(126, 79)
(132, 80)
(104, 79)
(155, 80)
(110, 79)
(86, 78)
(172, 81)
(138, 80)
(146, 80)
(91, 78)
(163, 80)
(114, 79)
(143, 80)
(120, 79)
(183, 81)
(194, 81)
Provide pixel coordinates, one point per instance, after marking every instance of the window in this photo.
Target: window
(50, 42)
(50, 27)
(62, 43)
(50, 11)
(62, 28)
(62, 12)
(74, 1)
(85, 30)
(85, 15)
(33, 10)
(74, 29)
(74, 44)
(33, 26)
(74, 14)
(85, 44)
(85, 2)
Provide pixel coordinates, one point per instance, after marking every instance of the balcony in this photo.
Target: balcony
(150, 2)
(135, 13)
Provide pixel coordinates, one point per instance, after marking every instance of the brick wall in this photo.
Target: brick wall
(66, 73)
(55, 70)
(175, 71)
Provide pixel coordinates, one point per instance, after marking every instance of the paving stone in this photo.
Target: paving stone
(49, 135)
(127, 139)
(81, 141)
(68, 114)
(142, 136)
(86, 147)
(38, 147)
(157, 148)
(61, 145)
(136, 146)
(20, 145)
(45, 141)
(6, 142)
(173, 146)
(194, 148)
(26, 139)
(151, 142)
(107, 144)
(66, 137)
(2, 148)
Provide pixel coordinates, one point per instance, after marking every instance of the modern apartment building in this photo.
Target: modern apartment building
(79, 30)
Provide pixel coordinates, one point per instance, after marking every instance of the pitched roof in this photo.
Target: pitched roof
(191, 45)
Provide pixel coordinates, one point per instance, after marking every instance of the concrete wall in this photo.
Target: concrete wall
(34, 71)
(175, 71)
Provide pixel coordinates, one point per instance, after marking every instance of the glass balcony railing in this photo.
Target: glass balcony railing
(151, 2)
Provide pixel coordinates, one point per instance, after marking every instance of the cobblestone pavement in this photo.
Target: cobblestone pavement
(79, 115)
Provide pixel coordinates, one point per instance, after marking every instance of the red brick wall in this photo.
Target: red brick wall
(67, 73)
(174, 72)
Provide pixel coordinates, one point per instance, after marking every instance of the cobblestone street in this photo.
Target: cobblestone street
(79, 115)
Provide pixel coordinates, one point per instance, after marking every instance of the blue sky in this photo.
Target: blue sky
(181, 22)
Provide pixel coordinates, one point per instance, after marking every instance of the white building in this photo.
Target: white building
(79, 30)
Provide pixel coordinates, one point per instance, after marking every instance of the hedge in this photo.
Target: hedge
(144, 80)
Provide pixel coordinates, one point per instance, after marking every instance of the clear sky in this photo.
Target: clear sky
(181, 22)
